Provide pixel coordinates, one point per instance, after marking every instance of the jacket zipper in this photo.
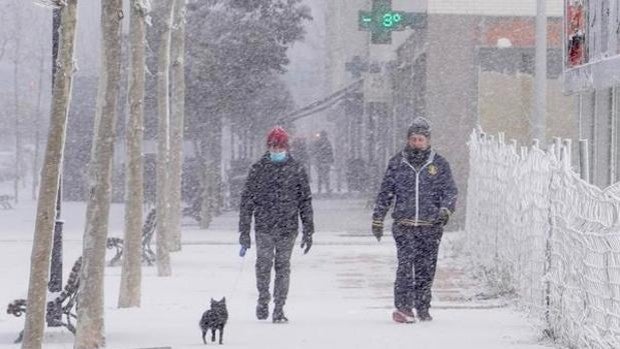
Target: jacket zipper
(417, 184)
(417, 196)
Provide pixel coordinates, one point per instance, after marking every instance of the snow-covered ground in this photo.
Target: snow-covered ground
(340, 296)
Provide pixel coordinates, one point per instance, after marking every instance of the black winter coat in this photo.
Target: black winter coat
(419, 193)
(323, 153)
(276, 194)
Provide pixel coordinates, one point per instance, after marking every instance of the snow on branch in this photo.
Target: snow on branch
(55, 4)
(143, 6)
(144, 9)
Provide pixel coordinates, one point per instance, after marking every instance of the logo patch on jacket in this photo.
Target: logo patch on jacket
(432, 169)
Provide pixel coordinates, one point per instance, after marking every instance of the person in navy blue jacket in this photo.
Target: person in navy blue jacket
(419, 183)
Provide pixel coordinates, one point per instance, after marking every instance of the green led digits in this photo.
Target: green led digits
(382, 20)
(391, 19)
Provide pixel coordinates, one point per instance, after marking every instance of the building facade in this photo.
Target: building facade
(472, 65)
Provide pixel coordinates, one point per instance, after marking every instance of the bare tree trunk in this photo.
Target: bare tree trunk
(218, 198)
(18, 138)
(131, 276)
(163, 142)
(201, 150)
(46, 206)
(206, 211)
(5, 41)
(176, 122)
(37, 133)
(213, 199)
(90, 321)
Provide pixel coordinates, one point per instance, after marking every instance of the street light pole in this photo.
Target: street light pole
(538, 118)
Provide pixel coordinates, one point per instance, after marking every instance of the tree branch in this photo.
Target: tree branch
(3, 48)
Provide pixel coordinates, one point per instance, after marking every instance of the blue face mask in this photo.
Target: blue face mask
(277, 156)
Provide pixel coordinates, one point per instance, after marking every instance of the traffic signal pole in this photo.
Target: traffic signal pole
(538, 118)
(381, 21)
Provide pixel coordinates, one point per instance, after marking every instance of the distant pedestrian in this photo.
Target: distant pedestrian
(323, 159)
(420, 182)
(277, 195)
(299, 151)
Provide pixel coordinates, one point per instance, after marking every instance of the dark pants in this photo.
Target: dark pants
(274, 248)
(323, 177)
(417, 249)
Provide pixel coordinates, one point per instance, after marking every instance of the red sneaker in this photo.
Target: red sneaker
(403, 317)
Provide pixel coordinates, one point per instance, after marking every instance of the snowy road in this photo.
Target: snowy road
(340, 297)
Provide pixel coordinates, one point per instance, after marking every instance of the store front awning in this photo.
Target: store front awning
(326, 102)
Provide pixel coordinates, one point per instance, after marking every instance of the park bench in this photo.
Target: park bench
(63, 305)
(148, 229)
(193, 210)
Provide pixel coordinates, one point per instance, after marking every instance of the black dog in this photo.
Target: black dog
(214, 319)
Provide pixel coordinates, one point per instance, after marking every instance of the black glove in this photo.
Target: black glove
(306, 241)
(245, 240)
(444, 216)
(377, 229)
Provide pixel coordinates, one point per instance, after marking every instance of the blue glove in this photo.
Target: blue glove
(306, 242)
(245, 241)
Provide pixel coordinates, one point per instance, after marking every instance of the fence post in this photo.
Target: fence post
(613, 136)
(550, 331)
(609, 287)
(557, 148)
(584, 160)
(568, 146)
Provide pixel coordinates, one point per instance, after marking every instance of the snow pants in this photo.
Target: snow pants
(273, 250)
(417, 249)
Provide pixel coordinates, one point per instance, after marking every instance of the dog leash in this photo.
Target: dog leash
(239, 273)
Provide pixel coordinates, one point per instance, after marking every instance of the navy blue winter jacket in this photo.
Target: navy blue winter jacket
(419, 193)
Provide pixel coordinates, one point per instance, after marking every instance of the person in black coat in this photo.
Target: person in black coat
(299, 151)
(420, 183)
(323, 159)
(276, 194)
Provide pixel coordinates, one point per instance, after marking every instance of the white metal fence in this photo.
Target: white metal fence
(537, 230)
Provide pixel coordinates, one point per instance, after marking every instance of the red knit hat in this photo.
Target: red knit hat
(277, 137)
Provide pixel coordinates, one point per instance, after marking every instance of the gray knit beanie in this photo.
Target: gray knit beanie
(419, 126)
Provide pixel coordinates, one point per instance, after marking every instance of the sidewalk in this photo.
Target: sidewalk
(346, 223)
(340, 296)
